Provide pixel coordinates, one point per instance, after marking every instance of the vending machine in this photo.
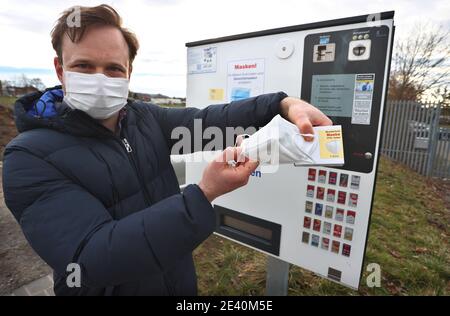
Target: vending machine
(313, 217)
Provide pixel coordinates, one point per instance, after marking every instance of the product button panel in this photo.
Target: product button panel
(330, 210)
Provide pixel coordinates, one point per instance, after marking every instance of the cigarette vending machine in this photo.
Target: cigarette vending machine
(313, 217)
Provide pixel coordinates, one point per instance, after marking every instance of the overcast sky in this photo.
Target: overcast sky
(164, 26)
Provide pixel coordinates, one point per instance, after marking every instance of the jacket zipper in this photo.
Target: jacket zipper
(127, 145)
(130, 155)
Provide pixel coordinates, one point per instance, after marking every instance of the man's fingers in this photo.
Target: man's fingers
(245, 170)
(324, 121)
(305, 127)
(251, 165)
(320, 119)
(239, 140)
(229, 154)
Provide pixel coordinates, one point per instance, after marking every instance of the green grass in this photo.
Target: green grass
(408, 239)
(7, 101)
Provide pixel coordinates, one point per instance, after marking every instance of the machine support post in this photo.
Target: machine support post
(277, 277)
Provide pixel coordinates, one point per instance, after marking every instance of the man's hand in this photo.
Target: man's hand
(219, 177)
(303, 114)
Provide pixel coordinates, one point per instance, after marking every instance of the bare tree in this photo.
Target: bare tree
(23, 81)
(420, 64)
(37, 83)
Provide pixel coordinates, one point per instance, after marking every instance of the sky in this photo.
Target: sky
(164, 26)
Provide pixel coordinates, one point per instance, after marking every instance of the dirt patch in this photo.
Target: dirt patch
(7, 128)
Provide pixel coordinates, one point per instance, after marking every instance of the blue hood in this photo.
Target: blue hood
(44, 107)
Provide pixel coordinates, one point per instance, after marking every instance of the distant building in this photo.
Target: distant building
(13, 91)
(158, 99)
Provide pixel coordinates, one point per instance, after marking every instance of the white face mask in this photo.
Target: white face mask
(333, 146)
(279, 142)
(96, 94)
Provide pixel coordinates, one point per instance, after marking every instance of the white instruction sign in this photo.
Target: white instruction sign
(245, 79)
(202, 60)
(362, 101)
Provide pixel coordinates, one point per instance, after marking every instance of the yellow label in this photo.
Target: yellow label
(330, 142)
(216, 94)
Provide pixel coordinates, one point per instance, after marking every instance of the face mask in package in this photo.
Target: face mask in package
(280, 142)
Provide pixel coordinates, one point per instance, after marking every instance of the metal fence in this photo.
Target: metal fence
(412, 135)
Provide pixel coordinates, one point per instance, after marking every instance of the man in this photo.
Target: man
(89, 177)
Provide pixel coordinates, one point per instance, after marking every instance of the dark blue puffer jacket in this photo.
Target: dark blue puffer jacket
(81, 197)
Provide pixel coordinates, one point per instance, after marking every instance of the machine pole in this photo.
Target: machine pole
(277, 277)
